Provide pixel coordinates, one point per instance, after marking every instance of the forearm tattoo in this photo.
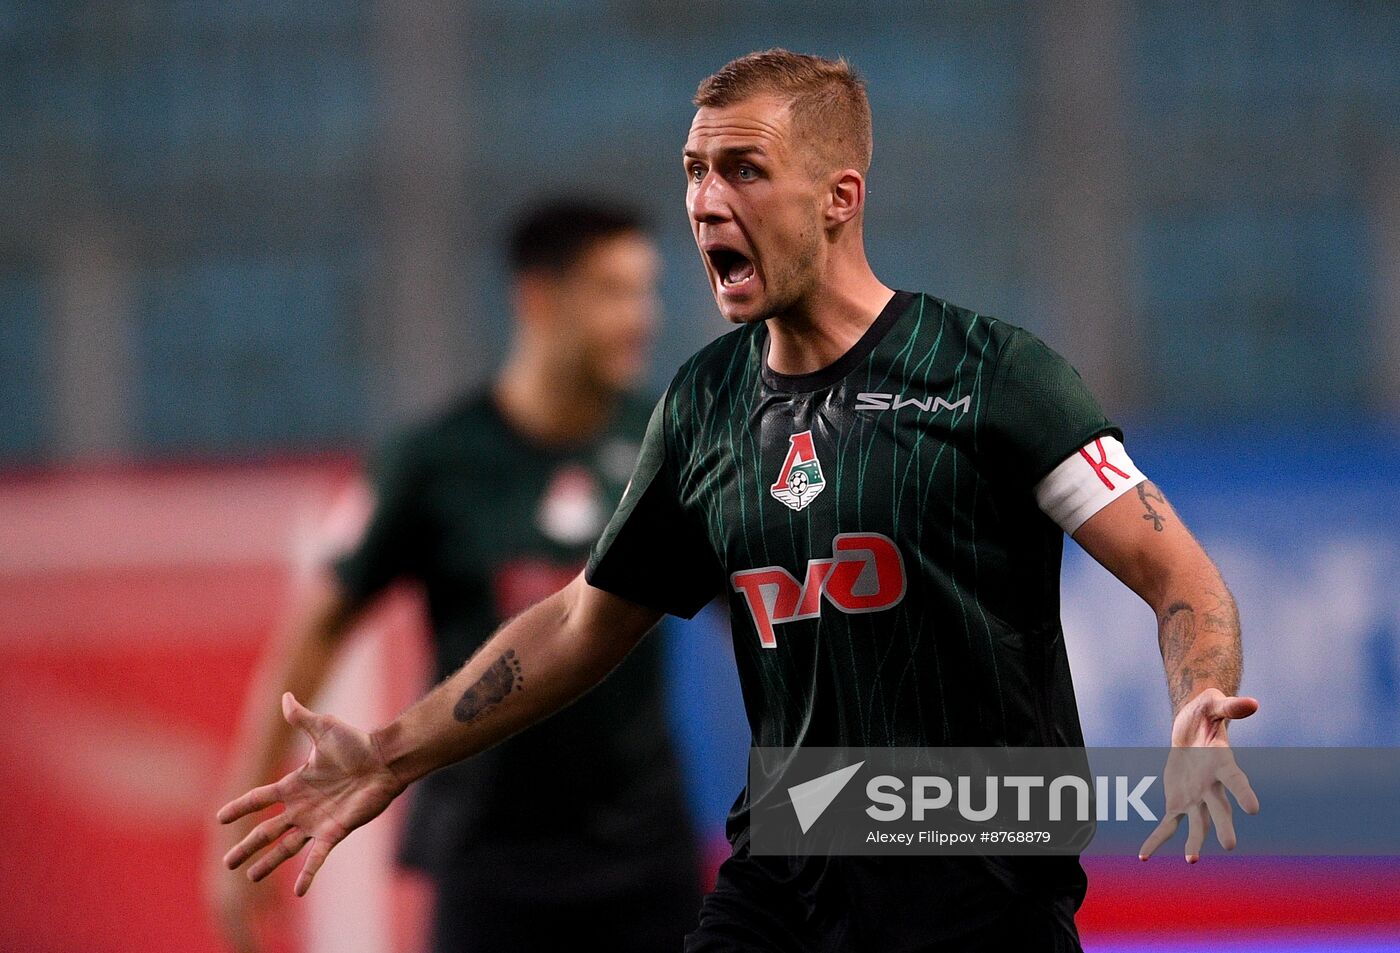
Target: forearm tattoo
(1202, 647)
(1147, 492)
(502, 678)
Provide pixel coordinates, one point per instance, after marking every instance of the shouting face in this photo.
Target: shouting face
(755, 204)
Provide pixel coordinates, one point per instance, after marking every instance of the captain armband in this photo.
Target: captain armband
(1086, 481)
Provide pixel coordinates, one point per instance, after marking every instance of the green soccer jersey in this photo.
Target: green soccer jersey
(891, 579)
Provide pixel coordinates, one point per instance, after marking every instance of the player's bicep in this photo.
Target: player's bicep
(605, 619)
(1140, 539)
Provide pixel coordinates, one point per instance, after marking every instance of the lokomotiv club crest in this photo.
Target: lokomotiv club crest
(800, 480)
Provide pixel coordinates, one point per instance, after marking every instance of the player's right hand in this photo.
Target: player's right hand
(343, 785)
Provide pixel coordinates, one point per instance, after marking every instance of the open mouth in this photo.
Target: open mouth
(733, 268)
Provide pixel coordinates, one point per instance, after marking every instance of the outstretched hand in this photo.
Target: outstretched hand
(343, 785)
(1196, 780)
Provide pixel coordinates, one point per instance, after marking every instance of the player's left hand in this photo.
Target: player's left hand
(1199, 770)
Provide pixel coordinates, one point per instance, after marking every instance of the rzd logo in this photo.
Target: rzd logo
(864, 574)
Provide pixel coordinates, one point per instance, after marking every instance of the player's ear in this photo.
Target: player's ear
(846, 197)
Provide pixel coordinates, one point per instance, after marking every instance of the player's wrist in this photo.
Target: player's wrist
(394, 754)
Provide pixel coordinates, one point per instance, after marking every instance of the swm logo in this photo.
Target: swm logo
(869, 401)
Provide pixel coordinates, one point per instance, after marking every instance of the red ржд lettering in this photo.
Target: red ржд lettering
(868, 562)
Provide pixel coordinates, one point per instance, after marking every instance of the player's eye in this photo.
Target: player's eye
(747, 173)
(696, 173)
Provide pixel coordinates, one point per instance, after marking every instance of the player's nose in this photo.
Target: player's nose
(709, 202)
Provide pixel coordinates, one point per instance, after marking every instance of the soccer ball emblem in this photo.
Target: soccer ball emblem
(797, 482)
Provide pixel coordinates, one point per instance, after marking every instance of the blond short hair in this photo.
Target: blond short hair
(827, 99)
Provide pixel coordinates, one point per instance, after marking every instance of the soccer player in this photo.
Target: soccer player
(575, 833)
(879, 481)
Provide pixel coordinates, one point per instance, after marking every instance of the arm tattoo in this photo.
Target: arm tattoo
(1146, 492)
(502, 678)
(1200, 649)
(1175, 636)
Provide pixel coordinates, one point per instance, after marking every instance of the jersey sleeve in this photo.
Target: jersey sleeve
(1039, 412)
(394, 537)
(653, 552)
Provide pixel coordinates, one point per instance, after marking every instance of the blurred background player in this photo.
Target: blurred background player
(576, 829)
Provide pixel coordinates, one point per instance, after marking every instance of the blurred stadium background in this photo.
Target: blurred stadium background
(239, 242)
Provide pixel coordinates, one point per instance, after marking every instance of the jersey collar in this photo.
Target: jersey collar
(843, 365)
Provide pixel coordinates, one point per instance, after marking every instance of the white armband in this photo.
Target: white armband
(1086, 481)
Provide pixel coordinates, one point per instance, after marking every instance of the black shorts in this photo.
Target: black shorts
(475, 914)
(890, 905)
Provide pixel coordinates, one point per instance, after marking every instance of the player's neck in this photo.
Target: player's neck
(551, 406)
(816, 332)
